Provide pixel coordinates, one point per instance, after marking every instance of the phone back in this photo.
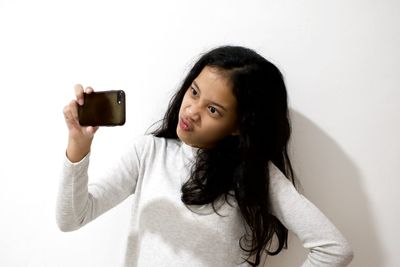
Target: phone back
(106, 108)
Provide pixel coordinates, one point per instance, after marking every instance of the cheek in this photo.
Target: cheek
(183, 104)
(217, 128)
(226, 127)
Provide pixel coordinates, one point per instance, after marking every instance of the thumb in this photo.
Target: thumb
(91, 130)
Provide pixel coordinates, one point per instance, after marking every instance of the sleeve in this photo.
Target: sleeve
(79, 202)
(327, 246)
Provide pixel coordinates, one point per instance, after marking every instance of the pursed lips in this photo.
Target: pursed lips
(185, 124)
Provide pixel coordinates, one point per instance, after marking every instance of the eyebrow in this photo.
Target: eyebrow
(213, 103)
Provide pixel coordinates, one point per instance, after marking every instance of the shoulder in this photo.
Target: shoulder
(275, 173)
(278, 182)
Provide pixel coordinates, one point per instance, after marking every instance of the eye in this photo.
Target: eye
(193, 91)
(213, 111)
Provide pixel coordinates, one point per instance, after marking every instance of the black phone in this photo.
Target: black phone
(103, 108)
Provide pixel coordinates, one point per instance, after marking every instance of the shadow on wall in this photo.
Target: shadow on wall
(333, 183)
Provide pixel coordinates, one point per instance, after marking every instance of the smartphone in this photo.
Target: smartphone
(103, 108)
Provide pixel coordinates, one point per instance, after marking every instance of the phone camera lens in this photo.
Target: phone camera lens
(120, 96)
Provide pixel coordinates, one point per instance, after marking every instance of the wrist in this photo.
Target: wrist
(78, 149)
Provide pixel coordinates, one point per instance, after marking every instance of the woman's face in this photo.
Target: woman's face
(208, 110)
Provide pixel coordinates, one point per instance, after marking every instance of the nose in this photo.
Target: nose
(193, 113)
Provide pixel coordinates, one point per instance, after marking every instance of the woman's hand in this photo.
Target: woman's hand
(79, 137)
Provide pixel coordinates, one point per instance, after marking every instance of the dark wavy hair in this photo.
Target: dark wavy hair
(238, 165)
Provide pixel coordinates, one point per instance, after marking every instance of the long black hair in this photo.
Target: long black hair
(239, 164)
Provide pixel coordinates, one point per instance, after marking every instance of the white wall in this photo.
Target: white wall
(341, 64)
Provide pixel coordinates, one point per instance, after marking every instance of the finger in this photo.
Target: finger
(73, 108)
(69, 116)
(89, 90)
(79, 94)
(67, 113)
(92, 129)
(67, 109)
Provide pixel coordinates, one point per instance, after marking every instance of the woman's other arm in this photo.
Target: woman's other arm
(327, 246)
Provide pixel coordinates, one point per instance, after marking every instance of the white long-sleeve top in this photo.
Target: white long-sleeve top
(165, 232)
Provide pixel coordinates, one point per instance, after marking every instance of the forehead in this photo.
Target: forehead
(215, 86)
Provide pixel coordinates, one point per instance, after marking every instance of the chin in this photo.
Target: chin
(178, 133)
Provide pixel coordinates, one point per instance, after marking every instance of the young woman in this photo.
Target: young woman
(213, 186)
